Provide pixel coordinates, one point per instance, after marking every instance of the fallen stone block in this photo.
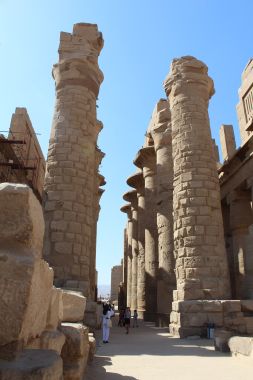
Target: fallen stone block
(25, 279)
(247, 306)
(73, 306)
(75, 351)
(33, 365)
(240, 345)
(49, 340)
(221, 338)
(92, 315)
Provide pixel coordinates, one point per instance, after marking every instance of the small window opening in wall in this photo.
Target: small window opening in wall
(248, 104)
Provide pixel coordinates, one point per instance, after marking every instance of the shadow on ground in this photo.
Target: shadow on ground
(151, 340)
(96, 370)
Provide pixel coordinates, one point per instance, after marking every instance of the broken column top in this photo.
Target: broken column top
(85, 42)
(188, 70)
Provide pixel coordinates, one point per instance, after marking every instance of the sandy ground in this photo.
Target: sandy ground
(149, 353)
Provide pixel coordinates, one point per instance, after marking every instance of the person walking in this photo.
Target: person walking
(127, 318)
(135, 319)
(106, 322)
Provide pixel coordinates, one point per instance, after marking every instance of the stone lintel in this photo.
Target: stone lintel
(136, 181)
(145, 157)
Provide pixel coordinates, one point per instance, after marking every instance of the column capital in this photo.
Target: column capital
(127, 210)
(136, 181)
(188, 73)
(146, 157)
(131, 197)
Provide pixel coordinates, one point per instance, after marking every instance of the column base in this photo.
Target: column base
(190, 318)
(162, 319)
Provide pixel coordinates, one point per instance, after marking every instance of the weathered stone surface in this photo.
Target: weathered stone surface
(240, 345)
(55, 310)
(221, 338)
(73, 306)
(21, 217)
(92, 349)
(49, 340)
(33, 365)
(77, 341)
(75, 351)
(92, 315)
(25, 279)
(71, 181)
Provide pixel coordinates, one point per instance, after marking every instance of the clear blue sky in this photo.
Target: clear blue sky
(141, 38)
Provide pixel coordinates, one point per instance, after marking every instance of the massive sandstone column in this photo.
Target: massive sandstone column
(127, 209)
(146, 160)
(160, 132)
(136, 181)
(69, 182)
(201, 263)
(131, 197)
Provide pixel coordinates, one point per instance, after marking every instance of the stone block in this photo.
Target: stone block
(221, 338)
(74, 370)
(231, 306)
(247, 305)
(21, 218)
(26, 285)
(77, 341)
(55, 312)
(33, 365)
(240, 345)
(74, 304)
(249, 325)
(49, 340)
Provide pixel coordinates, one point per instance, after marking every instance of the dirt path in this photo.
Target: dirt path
(149, 353)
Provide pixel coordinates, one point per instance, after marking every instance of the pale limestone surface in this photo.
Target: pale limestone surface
(71, 184)
(25, 279)
(240, 345)
(227, 140)
(149, 353)
(33, 365)
(73, 306)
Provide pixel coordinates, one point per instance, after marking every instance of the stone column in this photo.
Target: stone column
(160, 131)
(125, 267)
(99, 180)
(127, 210)
(69, 181)
(131, 196)
(241, 219)
(201, 263)
(136, 181)
(146, 160)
